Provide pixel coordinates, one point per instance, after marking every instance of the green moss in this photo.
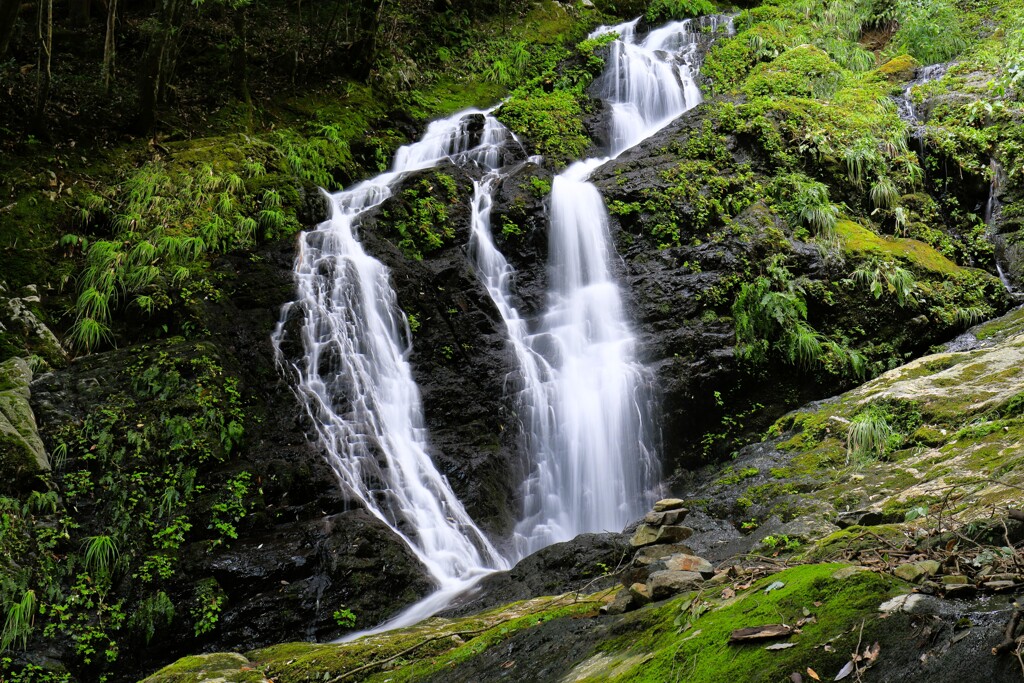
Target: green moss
(227, 667)
(433, 646)
(804, 71)
(653, 650)
(551, 121)
(860, 241)
(899, 69)
(732, 476)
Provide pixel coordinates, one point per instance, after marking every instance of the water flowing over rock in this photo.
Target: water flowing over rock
(356, 385)
(590, 426)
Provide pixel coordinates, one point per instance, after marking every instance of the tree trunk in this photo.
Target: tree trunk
(79, 12)
(109, 46)
(44, 34)
(8, 20)
(158, 64)
(240, 57)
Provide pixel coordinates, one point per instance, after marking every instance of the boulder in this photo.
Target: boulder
(22, 453)
(666, 583)
(690, 563)
(649, 535)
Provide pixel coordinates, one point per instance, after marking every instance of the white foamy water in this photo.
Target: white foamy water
(589, 416)
(356, 385)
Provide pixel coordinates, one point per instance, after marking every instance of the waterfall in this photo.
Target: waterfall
(908, 112)
(588, 419)
(354, 379)
(584, 396)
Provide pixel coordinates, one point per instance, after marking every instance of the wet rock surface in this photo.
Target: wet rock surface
(587, 564)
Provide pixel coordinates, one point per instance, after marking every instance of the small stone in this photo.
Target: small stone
(665, 584)
(649, 535)
(639, 592)
(909, 572)
(690, 563)
(667, 517)
(901, 603)
(645, 534)
(719, 578)
(654, 553)
(668, 504)
(847, 572)
(916, 571)
(622, 603)
(954, 580)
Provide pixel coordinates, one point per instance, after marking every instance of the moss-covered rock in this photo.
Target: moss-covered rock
(22, 453)
(212, 668)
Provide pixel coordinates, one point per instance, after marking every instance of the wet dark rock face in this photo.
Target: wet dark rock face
(305, 549)
(588, 563)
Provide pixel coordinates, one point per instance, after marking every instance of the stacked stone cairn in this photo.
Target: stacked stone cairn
(661, 566)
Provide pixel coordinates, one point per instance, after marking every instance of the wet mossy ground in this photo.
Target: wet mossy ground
(686, 638)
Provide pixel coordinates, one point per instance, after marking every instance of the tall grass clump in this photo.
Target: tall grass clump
(869, 436)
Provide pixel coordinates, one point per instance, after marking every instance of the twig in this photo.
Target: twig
(1009, 640)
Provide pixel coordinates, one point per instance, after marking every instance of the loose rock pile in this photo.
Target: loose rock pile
(661, 566)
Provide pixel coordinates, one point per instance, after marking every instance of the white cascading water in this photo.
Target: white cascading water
(356, 385)
(588, 421)
(584, 396)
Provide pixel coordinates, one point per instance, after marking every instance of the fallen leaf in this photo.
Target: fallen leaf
(728, 593)
(845, 671)
(796, 678)
(691, 636)
(774, 586)
(812, 674)
(871, 653)
(765, 632)
(807, 612)
(780, 646)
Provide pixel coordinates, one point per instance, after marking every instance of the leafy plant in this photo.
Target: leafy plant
(100, 555)
(930, 31)
(666, 10)
(886, 277)
(344, 617)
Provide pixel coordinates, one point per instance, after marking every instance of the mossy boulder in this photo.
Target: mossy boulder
(22, 453)
(213, 668)
(899, 69)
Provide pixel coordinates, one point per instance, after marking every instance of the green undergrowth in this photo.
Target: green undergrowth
(666, 642)
(139, 477)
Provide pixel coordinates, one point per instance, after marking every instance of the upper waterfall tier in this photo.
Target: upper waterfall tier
(354, 379)
(588, 414)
